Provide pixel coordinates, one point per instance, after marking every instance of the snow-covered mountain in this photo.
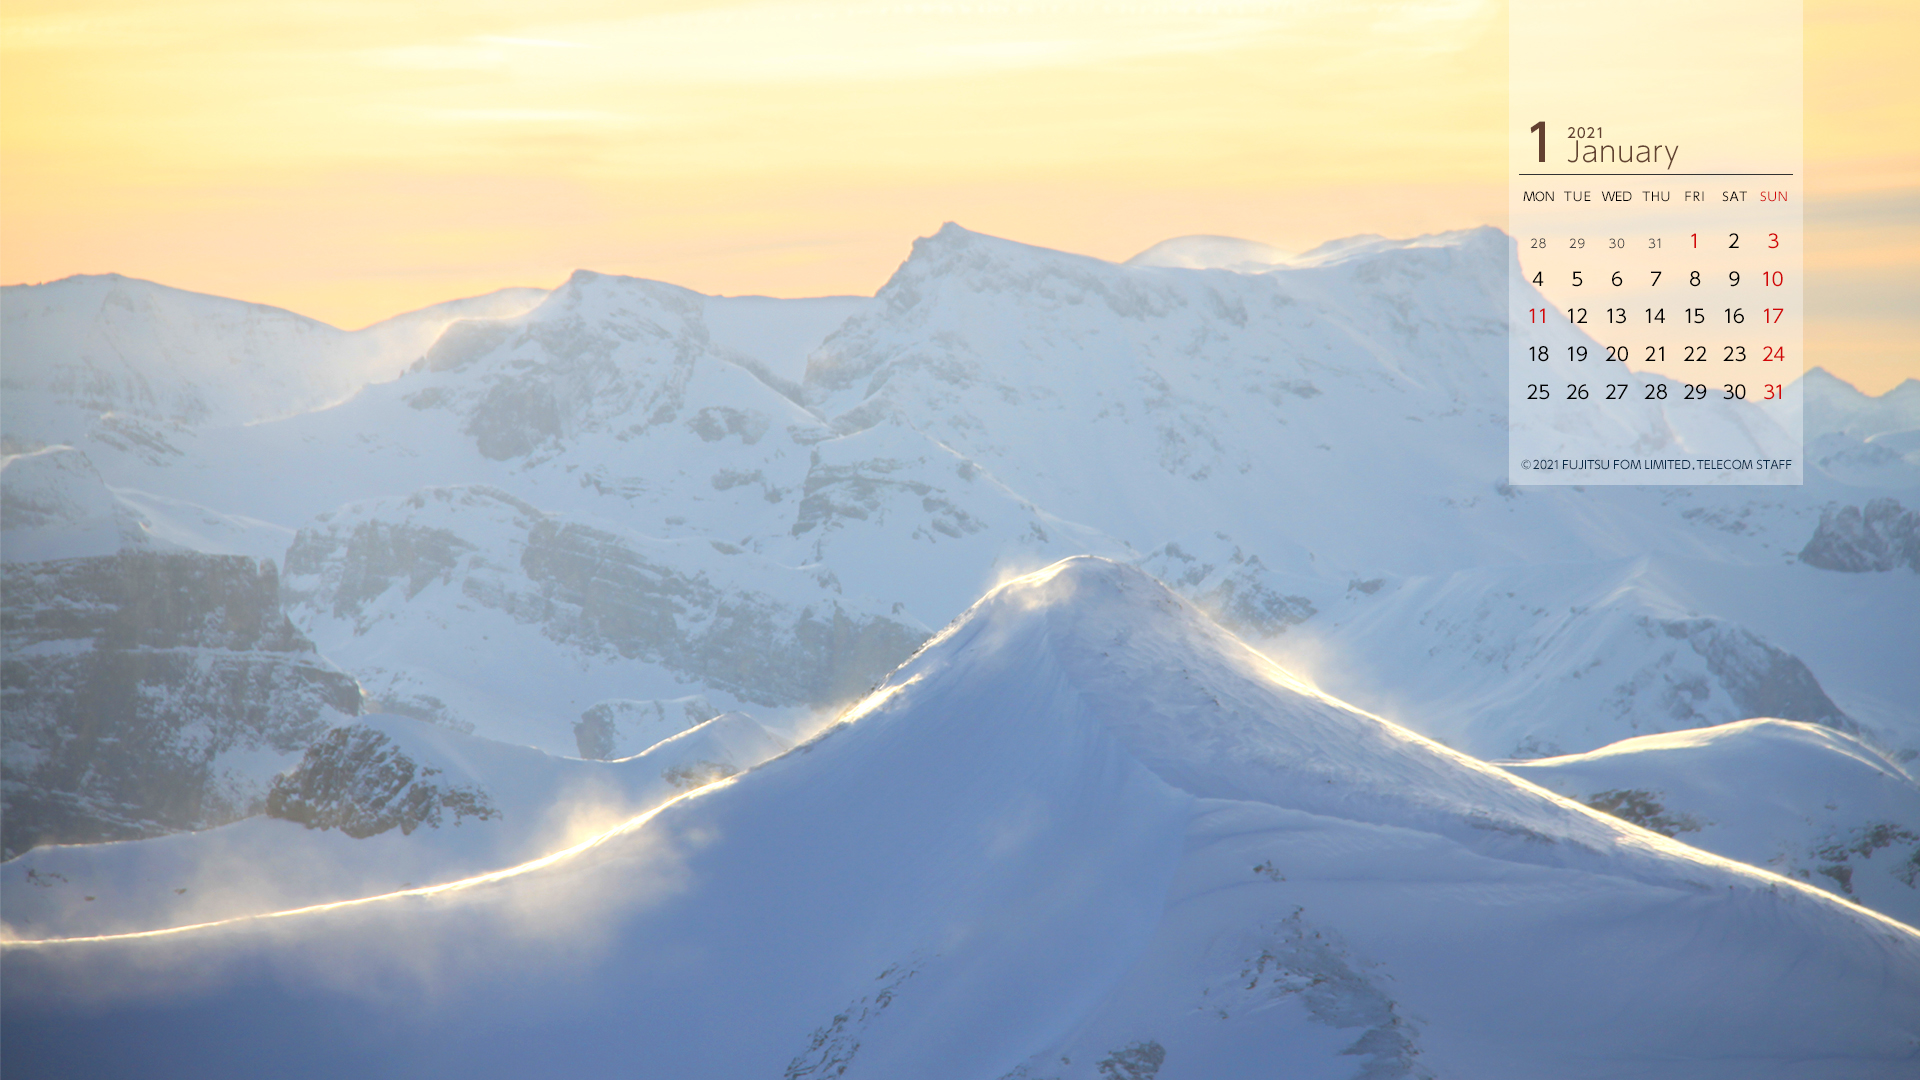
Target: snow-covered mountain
(415, 594)
(1611, 649)
(53, 505)
(624, 491)
(375, 805)
(150, 679)
(1269, 441)
(94, 346)
(1803, 801)
(151, 692)
(1212, 253)
(1084, 833)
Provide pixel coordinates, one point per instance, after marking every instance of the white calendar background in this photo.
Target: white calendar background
(1656, 196)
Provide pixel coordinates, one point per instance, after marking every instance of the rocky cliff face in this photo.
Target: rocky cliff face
(359, 781)
(406, 591)
(148, 693)
(615, 499)
(1882, 535)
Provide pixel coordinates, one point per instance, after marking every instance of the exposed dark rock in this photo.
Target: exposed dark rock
(148, 600)
(716, 422)
(599, 592)
(1643, 808)
(595, 737)
(833, 1045)
(1761, 679)
(1236, 590)
(368, 562)
(1836, 855)
(1881, 536)
(1242, 604)
(1140, 1061)
(1314, 967)
(357, 780)
(128, 679)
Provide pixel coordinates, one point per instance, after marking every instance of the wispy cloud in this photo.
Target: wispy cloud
(532, 43)
(566, 117)
(811, 41)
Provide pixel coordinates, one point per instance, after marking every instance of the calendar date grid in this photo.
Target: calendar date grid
(1683, 305)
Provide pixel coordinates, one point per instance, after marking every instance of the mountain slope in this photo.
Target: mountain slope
(1085, 833)
(1522, 662)
(1802, 801)
(151, 692)
(1314, 450)
(378, 804)
(93, 344)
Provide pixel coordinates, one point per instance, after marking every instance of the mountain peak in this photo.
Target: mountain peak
(1212, 253)
(1111, 652)
(955, 247)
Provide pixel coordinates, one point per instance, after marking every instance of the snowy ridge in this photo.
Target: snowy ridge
(1212, 253)
(1314, 452)
(625, 492)
(1237, 728)
(1011, 862)
(1534, 660)
(1127, 398)
(89, 345)
(55, 506)
(1804, 801)
(531, 804)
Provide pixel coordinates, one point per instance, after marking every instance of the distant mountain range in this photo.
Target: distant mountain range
(252, 562)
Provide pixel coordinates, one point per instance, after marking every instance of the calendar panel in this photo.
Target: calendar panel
(1655, 316)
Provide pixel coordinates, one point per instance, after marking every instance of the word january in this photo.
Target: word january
(1622, 153)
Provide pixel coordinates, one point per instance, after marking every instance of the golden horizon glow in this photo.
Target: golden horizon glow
(352, 160)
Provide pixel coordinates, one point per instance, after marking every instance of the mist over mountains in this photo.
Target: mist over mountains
(581, 521)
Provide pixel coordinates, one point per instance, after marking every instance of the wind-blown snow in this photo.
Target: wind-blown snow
(95, 344)
(1083, 831)
(637, 493)
(532, 804)
(1212, 253)
(1804, 801)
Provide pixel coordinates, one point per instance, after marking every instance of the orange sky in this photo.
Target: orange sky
(351, 159)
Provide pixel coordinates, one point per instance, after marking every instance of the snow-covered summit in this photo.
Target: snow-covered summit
(1126, 396)
(1082, 829)
(1212, 253)
(1263, 441)
(106, 344)
(1837, 406)
(1206, 714)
